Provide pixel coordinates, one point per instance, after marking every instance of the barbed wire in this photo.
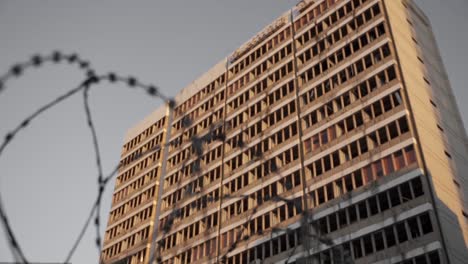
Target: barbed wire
(91, 79)
(16, 71)
(197, 146)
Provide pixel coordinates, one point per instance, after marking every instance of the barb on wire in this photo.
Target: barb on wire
(38, 60)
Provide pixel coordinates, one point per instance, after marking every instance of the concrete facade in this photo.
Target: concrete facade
(335, 122)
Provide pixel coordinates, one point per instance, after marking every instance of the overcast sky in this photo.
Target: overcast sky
(48, 174)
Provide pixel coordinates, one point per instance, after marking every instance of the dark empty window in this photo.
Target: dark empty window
(406, 192)
(383, 201)
(358, 179)
(362, 210)
(323, 225)
(420, 259)
(379, 241)
(434, 258)
(414, 228)
(426, 223)
(333, 223)
(394, 197)
(352, 214)
(392, 128)
(267, 249)
(368, 249)
(373, 206)
(291, 241)
(390, 236)
(417, 187)
(357, 248)
(342, 218)
(401, 232)
(403, 125)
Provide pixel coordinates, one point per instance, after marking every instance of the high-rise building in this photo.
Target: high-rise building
(332, 136)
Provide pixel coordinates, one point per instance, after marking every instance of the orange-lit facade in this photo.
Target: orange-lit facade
(339, 108)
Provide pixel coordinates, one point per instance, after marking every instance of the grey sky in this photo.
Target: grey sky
(48, 174)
